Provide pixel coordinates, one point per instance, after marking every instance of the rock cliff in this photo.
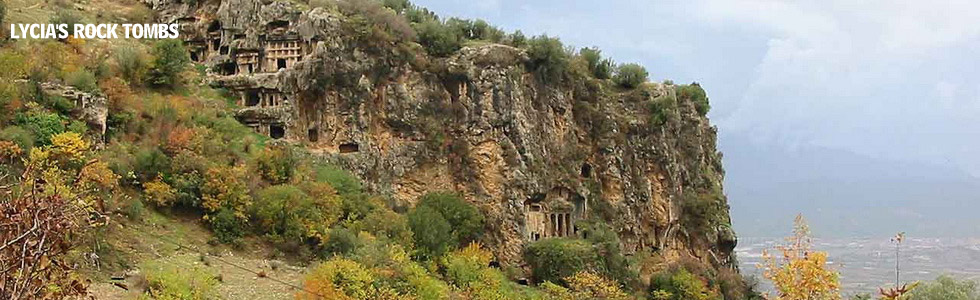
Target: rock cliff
(535, 157)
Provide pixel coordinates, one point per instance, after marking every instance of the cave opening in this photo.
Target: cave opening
(214, 26)
(586, 170)
(224, 50)
(252, 98)
(276, 131)
(280, 63)
(314, 134)
(349, 148)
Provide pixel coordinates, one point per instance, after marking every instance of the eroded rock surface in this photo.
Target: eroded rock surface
(534, 157)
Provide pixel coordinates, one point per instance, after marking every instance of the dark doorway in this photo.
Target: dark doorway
(215, 43)
(349, 147)
(252, 98)
(223, 50)
(314, 134)
(280, 63)
(228, 68)
(214, 26)
(194, 56)
(276, 131)
(586, 170)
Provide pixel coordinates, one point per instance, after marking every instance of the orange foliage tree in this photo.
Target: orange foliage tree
(799, 272)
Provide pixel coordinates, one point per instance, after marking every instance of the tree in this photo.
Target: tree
(555, 259)
(432, 233)
(438, 38)
(694, 93)
(170, 60)
(466, 221)
(630, 75)
(600, 67)
(946, 288)
(547, 58)
(800, 272)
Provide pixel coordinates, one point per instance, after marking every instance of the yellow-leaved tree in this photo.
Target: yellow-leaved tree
(798, 272)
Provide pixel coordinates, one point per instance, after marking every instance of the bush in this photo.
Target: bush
(344, 182)
(630, 75)
(170, 60)
(547, 58)
(433, 234)
(611, 262)
(277, 164)
(599, 67)
(517, 39)
(159, 193)
(339, 278)
(288, 212)
(588, 285)
(150, 164)
(169, 281)
(694, 93)
(228, 228)
(341, 241)
(660, 109)
(702, 210)
(132, 64)
(465, 219)
(438, 38)
(680, 285)
(23, 138)
(83, 80)
(555, 259)
(64, 16)
(946, 287)
(43, 125)
(390, 225)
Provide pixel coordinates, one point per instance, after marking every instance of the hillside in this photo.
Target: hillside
(351, 149)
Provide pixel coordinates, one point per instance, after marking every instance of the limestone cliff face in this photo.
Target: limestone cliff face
(534, 157)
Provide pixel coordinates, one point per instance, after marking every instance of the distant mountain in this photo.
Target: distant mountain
(843, 194)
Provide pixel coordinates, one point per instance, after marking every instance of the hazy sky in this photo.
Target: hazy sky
(891, 79)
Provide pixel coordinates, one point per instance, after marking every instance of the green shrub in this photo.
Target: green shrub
(132, 64)
(389, 225)
(58, 103)
(170, 60)
(20, 136)
(465, 219)
(660, 109)
(600, 67)
(680, 285)
(277, 164)
(83, 80)
(288, 212)
(167, 280)
(694, 93)
(3, 11)
(133, 209)
(438, 38)
(43, 125)
(701, 211)
(151, 163)
(630, 75)
(611, 263)
(432, 233)
(517, 39)
(554, 259)
(344, 182)
(228, 228)
(548, 58)
(341, 241)
(64, 16)
(946, 287)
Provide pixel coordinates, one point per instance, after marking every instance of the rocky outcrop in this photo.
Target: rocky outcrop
(536, 158)
(93, 109)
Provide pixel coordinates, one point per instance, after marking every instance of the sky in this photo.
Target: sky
(890, 79)
(867, 84)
